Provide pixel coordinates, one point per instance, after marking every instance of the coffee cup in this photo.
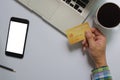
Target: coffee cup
(108, 16)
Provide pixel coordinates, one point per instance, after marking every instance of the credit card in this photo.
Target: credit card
(77, 33)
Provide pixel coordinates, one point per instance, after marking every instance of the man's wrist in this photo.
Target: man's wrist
(101, 63)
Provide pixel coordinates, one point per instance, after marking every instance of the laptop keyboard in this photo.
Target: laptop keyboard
(78, 5)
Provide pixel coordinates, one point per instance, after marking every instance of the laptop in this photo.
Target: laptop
(62, 14)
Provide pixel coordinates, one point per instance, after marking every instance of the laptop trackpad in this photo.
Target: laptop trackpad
(45, 8)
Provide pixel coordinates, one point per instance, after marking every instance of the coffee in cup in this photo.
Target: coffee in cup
(108, 16)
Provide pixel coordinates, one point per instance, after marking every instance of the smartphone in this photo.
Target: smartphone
(16, 38)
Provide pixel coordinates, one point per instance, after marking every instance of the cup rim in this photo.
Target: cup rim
(98, 20)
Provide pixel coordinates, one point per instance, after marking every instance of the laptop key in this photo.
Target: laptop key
(76, 6)
(68, 1)
(71, 5)
(74, 0)
(85, 1)
(79, 10)
(81, 4)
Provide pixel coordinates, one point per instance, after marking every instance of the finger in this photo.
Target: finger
(93, 29)
(83, 48)
(83, 45)
(97, 32)
(83, 42)
(86, 45)
(94, 36)
(89, 37)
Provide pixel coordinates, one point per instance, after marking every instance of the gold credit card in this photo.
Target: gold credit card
(77, 33)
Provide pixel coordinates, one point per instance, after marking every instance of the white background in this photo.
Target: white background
(48, 56)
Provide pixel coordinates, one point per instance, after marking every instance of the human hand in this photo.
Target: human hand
(95, 43)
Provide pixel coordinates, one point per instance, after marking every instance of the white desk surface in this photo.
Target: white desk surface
(48, 55)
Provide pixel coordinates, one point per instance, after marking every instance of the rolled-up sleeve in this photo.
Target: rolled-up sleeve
(102, 73)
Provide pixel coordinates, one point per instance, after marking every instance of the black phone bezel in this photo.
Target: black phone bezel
(13, 54)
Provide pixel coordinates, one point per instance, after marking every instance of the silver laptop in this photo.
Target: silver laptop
(62, 14)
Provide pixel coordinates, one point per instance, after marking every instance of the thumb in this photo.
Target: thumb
(89, 38)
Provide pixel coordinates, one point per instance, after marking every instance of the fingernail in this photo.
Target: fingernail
(84, 48)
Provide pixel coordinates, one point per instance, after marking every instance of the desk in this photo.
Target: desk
(47, 55)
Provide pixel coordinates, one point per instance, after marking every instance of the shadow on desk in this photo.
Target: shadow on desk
(77, 46)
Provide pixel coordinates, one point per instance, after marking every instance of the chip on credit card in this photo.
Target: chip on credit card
(77, 33)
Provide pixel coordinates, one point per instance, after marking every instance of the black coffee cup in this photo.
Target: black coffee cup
(108, 16)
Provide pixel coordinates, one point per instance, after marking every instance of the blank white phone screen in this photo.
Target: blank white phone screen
(16, 37)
